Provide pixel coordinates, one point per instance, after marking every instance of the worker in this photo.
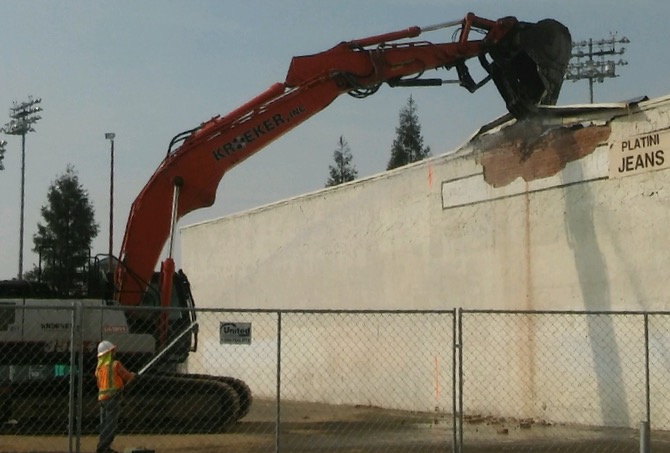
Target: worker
(112, 377)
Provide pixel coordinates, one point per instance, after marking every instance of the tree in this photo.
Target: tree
(408, 144)
(2, 153)
(64, 240)
(343, 170)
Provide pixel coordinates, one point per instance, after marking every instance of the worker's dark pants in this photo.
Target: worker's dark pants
(109, 416)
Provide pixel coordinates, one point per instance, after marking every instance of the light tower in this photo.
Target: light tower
(23, 116)
(110, 136)
(598, 69)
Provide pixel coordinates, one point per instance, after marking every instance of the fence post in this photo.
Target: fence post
(71, 403)
(278, 420)
(80, 370)
(644, 437)
(454, 382)
(460, 380)
(645, 425)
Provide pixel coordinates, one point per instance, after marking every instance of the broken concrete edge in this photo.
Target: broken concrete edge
(552, 117)
(540, 146)
(566, 114)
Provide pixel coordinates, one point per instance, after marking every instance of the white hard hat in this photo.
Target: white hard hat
(104, 347)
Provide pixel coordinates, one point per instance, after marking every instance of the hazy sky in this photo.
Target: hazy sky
(148, 70)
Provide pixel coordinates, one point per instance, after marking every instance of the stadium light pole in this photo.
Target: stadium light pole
(110, 136)
(595, 70)
(23, 116)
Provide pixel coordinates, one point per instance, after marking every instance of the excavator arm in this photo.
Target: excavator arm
(526, 72)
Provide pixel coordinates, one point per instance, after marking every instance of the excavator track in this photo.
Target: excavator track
(179, 404)
(35, 407)
(155, 403)
(241, 388)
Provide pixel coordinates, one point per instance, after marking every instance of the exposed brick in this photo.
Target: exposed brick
(526, 150)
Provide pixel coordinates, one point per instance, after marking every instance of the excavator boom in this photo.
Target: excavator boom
(527, 63)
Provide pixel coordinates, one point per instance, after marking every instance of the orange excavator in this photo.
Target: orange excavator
(525, 61)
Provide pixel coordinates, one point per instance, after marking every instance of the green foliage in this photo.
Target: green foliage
(408, 144)
(63, 241)
(343, 170)
(33, 275)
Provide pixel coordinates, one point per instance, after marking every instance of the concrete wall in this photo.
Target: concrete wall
(439, 235)
(531, 215)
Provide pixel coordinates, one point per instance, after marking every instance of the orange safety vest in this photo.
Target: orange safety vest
(111, 377)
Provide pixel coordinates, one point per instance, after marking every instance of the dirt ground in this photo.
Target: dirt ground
(308, 427)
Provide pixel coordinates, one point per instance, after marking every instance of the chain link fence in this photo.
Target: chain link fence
(565, 381)
(337, 381)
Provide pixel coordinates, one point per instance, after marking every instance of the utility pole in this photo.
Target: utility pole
(595, 70)
(23, 116)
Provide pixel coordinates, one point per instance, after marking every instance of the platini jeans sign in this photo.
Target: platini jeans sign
(639, 154)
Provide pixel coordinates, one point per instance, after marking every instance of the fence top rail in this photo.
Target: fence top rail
(269, 310)
(362, 311)
(9, 305)
(101, 305)
(562, 312)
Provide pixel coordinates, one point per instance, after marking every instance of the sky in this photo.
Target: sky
(148, 70)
